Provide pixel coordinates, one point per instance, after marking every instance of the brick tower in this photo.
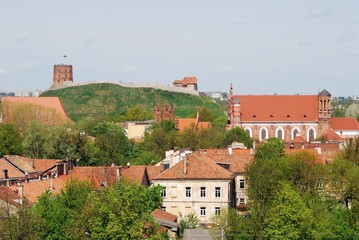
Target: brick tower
(62, 73)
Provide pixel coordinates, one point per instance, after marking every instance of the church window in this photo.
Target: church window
(249, 131)
(263, 134)
(295, 133)
(280, 134)
(311, 135)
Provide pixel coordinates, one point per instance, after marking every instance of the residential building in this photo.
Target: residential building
(191, 123)
(196, 184)
(187, 82)
(136, 130)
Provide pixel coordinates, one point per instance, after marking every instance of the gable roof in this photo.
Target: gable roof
(344, 124)
(330, 135)
(46, 102)
(98, 176)
(184, 123)
(9, 196)
(136, 174)
(153, 171)
(13, 172)
(199, 167)
(34, 188)
(278, 108)
(299, 139)
(158, 213)
(186, 81)
(23, 164)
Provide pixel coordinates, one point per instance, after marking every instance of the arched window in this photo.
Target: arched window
(279, 133)
(263, 134)
(295, 132)
(311, 135)
(248, 130)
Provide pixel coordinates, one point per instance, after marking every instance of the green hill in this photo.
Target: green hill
(106, 100)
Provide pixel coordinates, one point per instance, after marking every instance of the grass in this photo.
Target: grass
(106, 101)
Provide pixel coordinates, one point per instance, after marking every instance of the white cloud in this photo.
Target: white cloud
(2, 71)
(345, 38)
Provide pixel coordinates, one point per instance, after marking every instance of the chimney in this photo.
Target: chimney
(185, 164)
(66, 168)
(118, 174)
(230, 151)
(52, 182)
(20, 191)
(5, 172)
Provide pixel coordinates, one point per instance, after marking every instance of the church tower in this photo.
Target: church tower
(234, 110)
(324, 109)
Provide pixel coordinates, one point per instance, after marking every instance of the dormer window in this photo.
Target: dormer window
(271, 116)
(254, 116)
(288, 116)
(305, 116)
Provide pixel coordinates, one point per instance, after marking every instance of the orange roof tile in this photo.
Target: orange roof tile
(9, 196)
(330, 135)
(186, 81)
(158, 213)
(153, 171)
(98, 176)
(47, 102)
(197, 167)
(34, 188)
(299, 139)
(136, 174)
(184, 123)
(344, 124)
(278, 108)
(13, 172)
(21, 162)
(239, 161)
(44, 164)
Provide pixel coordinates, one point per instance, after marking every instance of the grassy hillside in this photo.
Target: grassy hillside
(107, 100)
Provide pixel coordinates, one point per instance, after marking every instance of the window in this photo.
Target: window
(188, 191)
(163, 192)
(311, 135)
(263, 134)
(280, 134)
(241, 183)
(241, 201)
(203, 192)
(217, 192)
(217, 211)
(203, 211)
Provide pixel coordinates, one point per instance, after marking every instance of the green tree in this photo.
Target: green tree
(188, 221)
(205, 115)
(237, 134)
(58, 211)
(136, 114)
(10, 140)
(288, 217)
(273, 148)
(121, 211)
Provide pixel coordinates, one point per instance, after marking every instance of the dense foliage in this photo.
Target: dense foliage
(120, 211)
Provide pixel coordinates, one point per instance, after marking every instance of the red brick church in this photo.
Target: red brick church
(284, 116)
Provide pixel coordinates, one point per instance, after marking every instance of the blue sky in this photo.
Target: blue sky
(263, 47)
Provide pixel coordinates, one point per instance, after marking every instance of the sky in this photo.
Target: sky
(262, 47)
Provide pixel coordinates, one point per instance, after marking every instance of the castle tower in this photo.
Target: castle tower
(62, 74)
(324, 109)
(168, 113)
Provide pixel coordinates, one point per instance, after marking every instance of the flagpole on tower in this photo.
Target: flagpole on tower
(65, 57)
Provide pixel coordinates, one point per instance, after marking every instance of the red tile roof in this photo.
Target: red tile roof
(98, 176)
(318, 159)
(344, 124)
(186, 81)
(153, 171)
(158, 213)
(184, 123)
(299, 139)
(136, 174)
(13, 172)
(46, 102)
(9, 196)
(197, 167)
(21, 162)
(278, 108)
(330, 135)
(34, 188)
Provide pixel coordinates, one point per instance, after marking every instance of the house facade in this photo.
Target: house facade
(196, 184)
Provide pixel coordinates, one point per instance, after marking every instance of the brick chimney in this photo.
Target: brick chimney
(20, 192)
